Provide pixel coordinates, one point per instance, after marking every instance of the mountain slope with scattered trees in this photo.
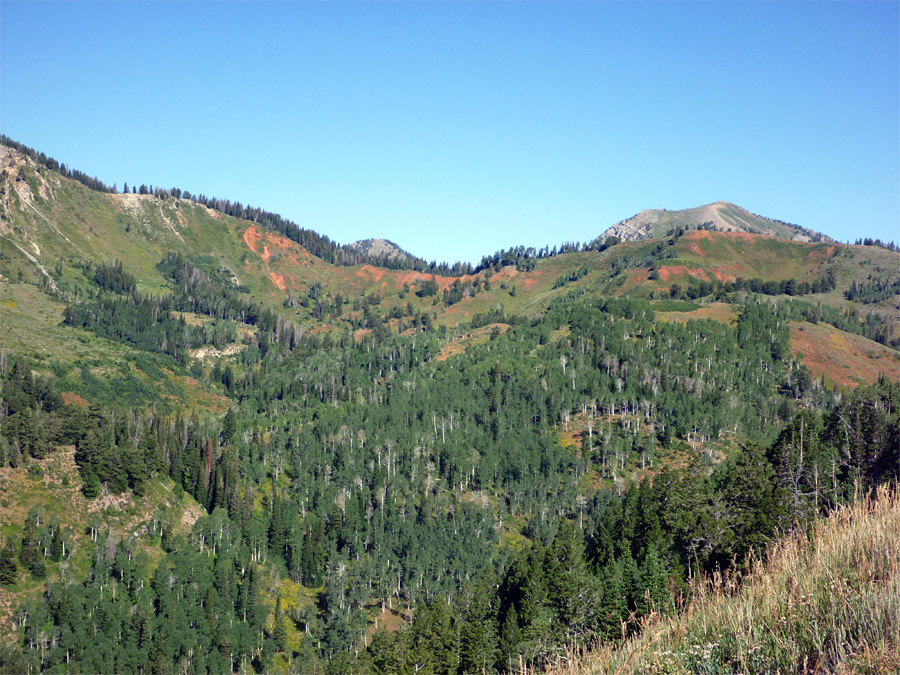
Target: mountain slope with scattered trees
(291, 465)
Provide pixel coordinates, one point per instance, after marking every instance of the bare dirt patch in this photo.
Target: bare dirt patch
(190, 516)
(390, 619)
(278, 280)
(205, 352)
(252, 237)
(128, 202)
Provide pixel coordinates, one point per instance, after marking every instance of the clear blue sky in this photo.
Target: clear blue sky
(458, 129)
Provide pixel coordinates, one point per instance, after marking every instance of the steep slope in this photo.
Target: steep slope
(721, 216)
(840, 358)
(48, 221)
(826, 602)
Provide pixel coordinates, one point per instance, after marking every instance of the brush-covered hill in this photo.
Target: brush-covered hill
(720, 216)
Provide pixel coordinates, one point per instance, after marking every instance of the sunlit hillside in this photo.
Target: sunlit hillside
(822, 602)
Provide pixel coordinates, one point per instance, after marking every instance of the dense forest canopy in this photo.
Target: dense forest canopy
(379, 477)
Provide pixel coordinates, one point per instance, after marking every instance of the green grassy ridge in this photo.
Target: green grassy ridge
(108, 222)
(70, 223)
(75, 223)
(111, 226)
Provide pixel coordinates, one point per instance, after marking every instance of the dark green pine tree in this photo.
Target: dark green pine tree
(572, 590)
(228, 426)
(756, 505)
(510, 640)
(613, 604)
(153, 458)
(276, 527)
(435, 643)
(653, 590)
(209, 605)
(90, 484)
(631, 577)
(136, 467)
(8, 567)
(56, 543)
(279, 633)
(384, 653)
(160, 657)
(111, 469)
(536, 614)
(30, 543)
(478, 635)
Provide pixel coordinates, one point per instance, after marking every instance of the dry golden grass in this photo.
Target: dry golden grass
(826, 602)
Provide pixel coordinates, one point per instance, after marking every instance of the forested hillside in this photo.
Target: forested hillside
(288, 464)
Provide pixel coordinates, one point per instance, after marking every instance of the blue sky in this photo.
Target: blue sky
(456, 129)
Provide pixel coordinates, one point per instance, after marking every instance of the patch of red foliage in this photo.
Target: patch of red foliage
(374, 273)
(842, 358)
(282, 242)
(821, 254)
(727, 273)
(71, 398)
(667, 271)
(638, 276)
(443, 283)
(294, 252)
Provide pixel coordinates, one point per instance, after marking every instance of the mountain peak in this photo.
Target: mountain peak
(721, 215)
(379, 247)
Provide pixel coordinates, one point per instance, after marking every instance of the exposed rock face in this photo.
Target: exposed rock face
(379, 247)
(721, 216)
